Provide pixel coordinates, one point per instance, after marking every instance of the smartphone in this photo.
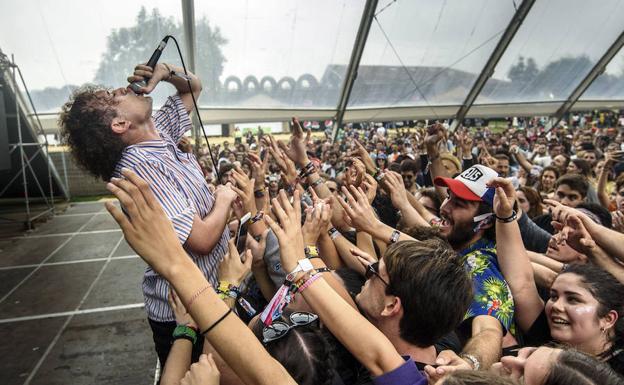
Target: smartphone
(241, 234)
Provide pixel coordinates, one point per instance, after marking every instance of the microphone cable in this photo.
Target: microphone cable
(188, 80)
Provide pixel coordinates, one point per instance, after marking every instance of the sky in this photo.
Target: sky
(60, 42)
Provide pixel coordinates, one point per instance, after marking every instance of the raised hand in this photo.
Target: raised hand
(244, 189)
(354, 173)
(577, 237)
(296, 149)
(369, 185)
(364, 258)
(358, 211)
(149, 75)
(182, 317)
(361, 153)
(203, 372)
(257, 248)
(258, 168)
(317, 218)
(231, 268)
(276, 149)
(225, 192)
(393, 184)
(504, 198)
(288, 230)
(618, 221)
(435, 135)
(146, 217)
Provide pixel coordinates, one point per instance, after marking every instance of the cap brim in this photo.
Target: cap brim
(458, 188)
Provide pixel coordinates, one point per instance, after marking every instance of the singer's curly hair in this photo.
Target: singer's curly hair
(85, 123)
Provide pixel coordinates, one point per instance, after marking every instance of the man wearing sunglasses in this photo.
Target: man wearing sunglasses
(416, 294)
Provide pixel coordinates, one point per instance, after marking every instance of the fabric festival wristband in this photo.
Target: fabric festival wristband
(309, 282)
(311, 252)
(333, 233)
(276, 306)
(317, 182)
(257, 217)
(373, 173)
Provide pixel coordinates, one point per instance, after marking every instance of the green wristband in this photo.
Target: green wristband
(185, 332)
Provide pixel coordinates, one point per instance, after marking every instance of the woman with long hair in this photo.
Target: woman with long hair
(586, 303)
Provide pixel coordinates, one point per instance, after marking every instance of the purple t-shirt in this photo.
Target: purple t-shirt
(406, 374)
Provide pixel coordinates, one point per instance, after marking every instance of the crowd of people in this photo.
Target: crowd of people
(408, 256)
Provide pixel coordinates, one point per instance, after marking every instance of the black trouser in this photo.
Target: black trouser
(162, 332)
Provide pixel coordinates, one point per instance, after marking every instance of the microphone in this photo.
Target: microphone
(136, 86)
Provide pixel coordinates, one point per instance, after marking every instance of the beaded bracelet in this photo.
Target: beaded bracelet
(197, 294)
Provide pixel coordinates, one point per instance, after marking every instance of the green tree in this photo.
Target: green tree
(523, 73)
(126, 47)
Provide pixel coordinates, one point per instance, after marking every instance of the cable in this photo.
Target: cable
(385, 7)
(405, 68)
(188, 80)
(401, 97)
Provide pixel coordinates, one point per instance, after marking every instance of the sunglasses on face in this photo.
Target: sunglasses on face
(279, 329)
(373, 270)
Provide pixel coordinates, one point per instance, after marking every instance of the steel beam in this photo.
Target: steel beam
(354, 62)
(188, 23)
(598, 69)
(490, 65)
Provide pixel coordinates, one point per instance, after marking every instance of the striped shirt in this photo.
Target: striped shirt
(179, 185)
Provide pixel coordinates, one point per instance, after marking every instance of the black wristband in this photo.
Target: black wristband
(216, 323)
(511, 218)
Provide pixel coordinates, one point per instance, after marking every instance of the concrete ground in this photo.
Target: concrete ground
(71, 308)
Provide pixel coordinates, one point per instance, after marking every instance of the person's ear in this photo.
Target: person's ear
(120, 125)
(392, 306)
(608, 321)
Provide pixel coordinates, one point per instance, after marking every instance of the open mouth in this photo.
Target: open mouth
(559, 321)
(445, 223)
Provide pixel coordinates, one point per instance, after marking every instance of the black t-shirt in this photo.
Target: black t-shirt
(543, 221)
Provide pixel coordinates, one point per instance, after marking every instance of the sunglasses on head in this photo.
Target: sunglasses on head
(279, 329)
(373, 270)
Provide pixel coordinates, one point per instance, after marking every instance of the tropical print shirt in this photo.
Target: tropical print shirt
(492, 295)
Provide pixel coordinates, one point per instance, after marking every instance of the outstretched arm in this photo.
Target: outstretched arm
(375, 351)
(151, 235)
(512, 256)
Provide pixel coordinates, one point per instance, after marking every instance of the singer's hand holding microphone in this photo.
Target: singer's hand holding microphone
(151, 77)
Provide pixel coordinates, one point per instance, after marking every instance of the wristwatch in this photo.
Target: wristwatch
(472, 360)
